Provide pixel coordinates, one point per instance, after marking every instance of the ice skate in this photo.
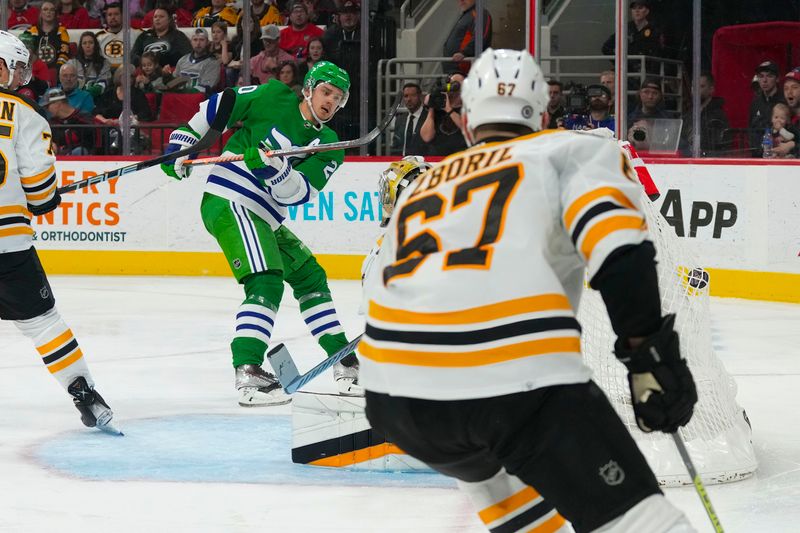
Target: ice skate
(345, 374)
(258, 388)
(94, 410)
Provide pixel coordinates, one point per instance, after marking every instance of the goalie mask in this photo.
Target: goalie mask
(397, 177)
(17, 59)
(503, 87)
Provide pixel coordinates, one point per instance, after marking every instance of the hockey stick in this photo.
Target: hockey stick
(206, 142)
(698, 483)
(297, 150)
(290, 378)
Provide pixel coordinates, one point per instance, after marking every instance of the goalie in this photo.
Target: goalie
(471, 354)
(245, 205)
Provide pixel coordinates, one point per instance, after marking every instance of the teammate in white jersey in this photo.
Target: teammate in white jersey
(27, 188)
(471, 356)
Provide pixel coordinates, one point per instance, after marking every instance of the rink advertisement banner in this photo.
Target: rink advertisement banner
(737, 217)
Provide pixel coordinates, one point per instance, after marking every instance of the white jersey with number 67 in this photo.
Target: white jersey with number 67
(475, 290)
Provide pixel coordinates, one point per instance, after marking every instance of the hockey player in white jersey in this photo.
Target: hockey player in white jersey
(471, 356)
(28, 188)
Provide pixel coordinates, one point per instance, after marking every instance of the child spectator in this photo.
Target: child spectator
(21, 16)
(94, 71)
(287, 74)
(315, 52)
(53, 40)
(72, 15)
(784, 134)
(218, 10)
(148, 77)
(220, 46)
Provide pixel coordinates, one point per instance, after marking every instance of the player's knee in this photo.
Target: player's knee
(654, 513)
(264, 287)
(309, 278)
(36, 327)
(505, 502)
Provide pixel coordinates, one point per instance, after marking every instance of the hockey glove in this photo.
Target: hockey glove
(286, 185)
(178, 140)
(662, 388)
(46, 207)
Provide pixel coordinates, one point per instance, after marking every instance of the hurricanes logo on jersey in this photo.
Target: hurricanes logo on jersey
(113, 49)
(158, 47)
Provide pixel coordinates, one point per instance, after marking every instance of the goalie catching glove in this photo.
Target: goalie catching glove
(179, 139)
(285, 184)
(662, 388)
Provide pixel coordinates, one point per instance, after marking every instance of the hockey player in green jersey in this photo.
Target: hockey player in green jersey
(245, 204)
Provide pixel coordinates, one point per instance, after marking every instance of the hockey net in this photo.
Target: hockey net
(718, 436)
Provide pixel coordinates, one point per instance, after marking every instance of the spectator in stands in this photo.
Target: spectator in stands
(460, 42)
(53, 40)
(95, 9)
(21, 16)
(791, 92)
(785, 136)
(94, 71)
(220, 47)
(69, 141)
(110, 38)
(599, 112)
(287, 74)
(40, 74)
(264, 66)
(295, 37)
(644, 39)
(315, 52)
(607, 79)
(765, 98)
(555, 107)
(237, 44)
(406, 139)
(148, 77)
(73, 16)
(265, 13)
(715, 134)
(199, 66)
(168, 42)
(441, 129)
(218, 10)
(109, 111)
(321, 12)
(181, 17)
(78, 98)
(342, 44)
(650, 102)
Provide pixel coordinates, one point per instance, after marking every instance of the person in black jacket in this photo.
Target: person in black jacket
(644, 39)
(164, 39)
(715, 133)
(767, 95)
(460, 43)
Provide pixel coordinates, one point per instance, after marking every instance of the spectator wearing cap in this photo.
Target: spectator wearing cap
(68, 141)
(21, 16)
(715, 133)
(650, 102)
(644, 38)
(599, 113)
(294, 37)
(218, 10)
(764, 99)
(264, 13)
(78, 98)
(264, 66)
(555, 106)
(460, 42)
(791, 93)
(199, 66)
(164, 39)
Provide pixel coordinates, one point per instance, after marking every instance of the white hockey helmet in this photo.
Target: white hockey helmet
(503, 87)
(16, 56)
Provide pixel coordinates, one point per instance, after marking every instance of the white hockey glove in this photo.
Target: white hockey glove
(178, 140)
(286, 185)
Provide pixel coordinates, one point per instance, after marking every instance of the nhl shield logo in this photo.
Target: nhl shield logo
(612, 473)
(236, 263)
(44, 293)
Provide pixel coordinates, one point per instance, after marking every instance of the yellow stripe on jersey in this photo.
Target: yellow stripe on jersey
(512, 503)
(33, 180)
(487, 356)
(41, 195)
(484, 313)
(15, 210)
(18, 230)
(551, 525)
(602, 229)
(584, 200)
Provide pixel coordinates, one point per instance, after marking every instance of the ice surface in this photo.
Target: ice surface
(193, 460)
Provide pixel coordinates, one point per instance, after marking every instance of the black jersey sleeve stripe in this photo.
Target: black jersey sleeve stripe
(461, 338)
(595, 210)
(526, 518)
(8, 221)
(42, 186)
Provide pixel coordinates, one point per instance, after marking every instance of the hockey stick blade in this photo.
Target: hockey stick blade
(291, 380)
(298, 150)
(698, 483)
(206, 142)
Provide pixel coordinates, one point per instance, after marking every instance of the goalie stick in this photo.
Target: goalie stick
(206, 142)
(297, 150)
(290, 378)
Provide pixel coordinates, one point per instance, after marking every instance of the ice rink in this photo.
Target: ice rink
(193, 460)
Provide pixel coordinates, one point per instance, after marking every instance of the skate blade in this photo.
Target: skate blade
(348, 388)
(111, 429)
(254, 398)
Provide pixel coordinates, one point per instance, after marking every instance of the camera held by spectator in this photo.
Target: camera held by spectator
(439, 92)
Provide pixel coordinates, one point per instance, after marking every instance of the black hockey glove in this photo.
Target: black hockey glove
(45, 208)
(661, 384)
